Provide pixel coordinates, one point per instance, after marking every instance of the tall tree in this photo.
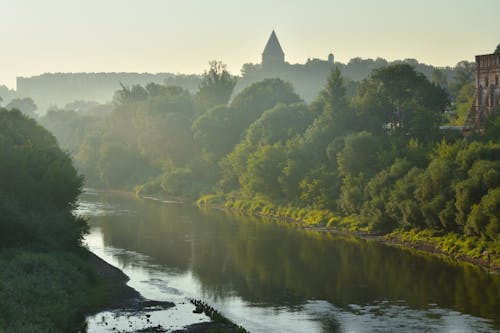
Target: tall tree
(216, 85)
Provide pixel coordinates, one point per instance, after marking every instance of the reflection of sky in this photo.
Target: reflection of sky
(140, 279)
(158, 282)
(90, 209)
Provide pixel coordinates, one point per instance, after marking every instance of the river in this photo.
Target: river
(269, 277)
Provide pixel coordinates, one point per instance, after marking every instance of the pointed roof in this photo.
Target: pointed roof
(273, 45)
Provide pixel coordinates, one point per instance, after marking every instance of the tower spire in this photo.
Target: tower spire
(273, 53)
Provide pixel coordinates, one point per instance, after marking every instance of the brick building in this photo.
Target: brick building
(487, 85)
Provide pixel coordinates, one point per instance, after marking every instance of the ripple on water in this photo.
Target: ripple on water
(96, 209)
(394, 317)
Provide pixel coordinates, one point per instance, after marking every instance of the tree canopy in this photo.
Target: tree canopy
(216, 85)
(36, 176)
(374, 153)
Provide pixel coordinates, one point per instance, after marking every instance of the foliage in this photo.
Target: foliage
(463, 103)
(26, 105)
(35, 176)
(42, 292)
(216, 85)
(454, 244)
(45, 280)
(374, 155)
(216, 131)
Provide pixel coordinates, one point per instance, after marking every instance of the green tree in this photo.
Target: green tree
(127, 95)
(463, 103)
(359, 154)
(262, 96)
(438, 77)
(416, 104)
(484, 218)
(216, 85)
(121, 167)
(279, 124)
(464, 75)
(38, 187)
(26, 105)
(263, 171)
(217, 131)
(481, 177)
(375, 208)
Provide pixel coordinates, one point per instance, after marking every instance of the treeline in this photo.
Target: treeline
(51, 89)
(372, 153)
(309, 78)
(45, 281)
(69, 90)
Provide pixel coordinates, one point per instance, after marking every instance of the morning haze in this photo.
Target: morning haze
(249, 166)
(181, 36)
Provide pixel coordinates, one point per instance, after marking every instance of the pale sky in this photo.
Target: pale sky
(181, 36)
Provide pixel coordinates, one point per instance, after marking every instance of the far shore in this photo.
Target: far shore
(423, 247)
(420, 246)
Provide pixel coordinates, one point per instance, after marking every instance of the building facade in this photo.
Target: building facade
(487, 85)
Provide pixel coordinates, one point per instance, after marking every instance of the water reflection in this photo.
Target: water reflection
(267, 277)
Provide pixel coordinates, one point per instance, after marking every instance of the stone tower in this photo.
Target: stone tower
(273, 53)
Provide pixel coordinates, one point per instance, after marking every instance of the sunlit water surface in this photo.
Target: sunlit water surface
(268, 277)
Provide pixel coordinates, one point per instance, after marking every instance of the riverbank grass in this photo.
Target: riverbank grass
(45, 291)
(468, 248)
(452, 244)
(305, 216)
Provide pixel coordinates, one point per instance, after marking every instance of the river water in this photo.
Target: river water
(269, 277)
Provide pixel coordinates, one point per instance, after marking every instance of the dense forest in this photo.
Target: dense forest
(45, 282)
(365, 155)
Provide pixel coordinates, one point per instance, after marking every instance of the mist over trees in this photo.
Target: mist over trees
(26, 105)
(309, 78)
(374, 151)
(69, 90)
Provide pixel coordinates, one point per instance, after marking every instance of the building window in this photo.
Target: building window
(496, 80)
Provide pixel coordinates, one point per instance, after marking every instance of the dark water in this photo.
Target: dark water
(273, 278)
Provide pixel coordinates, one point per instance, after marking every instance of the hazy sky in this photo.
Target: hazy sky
(40, 36)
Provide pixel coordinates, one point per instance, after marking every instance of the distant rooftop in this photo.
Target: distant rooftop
(273, 46)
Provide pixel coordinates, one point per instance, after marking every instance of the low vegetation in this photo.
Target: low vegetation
(46, 284)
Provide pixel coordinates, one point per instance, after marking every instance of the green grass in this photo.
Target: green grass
(452, 243)
(44, 292)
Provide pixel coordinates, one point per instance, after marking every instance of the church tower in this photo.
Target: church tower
(273, 53)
